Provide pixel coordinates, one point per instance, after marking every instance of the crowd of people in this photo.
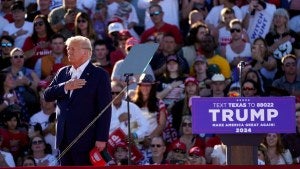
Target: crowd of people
(207, 48)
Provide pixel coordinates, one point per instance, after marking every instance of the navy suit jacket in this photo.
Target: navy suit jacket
(76, 112)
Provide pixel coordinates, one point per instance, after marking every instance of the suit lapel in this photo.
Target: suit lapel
(85, 75)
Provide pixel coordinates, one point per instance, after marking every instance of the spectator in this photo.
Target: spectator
(121, 153)
(120, 41)
(7, 44)
(171, 85)
(101, 56)
(196, 156)
(264, 63)
(19, 29)
(62, 18)
(43, 7)
(152, 108)
(3, 22)
(177, 155)
(8, 95)
(190, 10)
(28, 161)
(84, 26)
(169, 7)
(26, 83)
(289, 81)
(193, 48)
(275, 150)
(138, 123)
(167, 47)
(6, 10)
(254, 11)
(213, 18)
(187, 137)
(182, 107)
(208, 47)
(237, 50)
(195, 16)
(47, 66)
(15, 140)
(41, 152)
(262, 155)
(47, 108)
(156, 14)
(158, 149)
(250, 88)
(6, 159)
(119, 76)
(218, 85)
(127, 13)
(281, 40)
(292, 141)
(256, 77)
(223, 33)
(199, 71)
(37, 45)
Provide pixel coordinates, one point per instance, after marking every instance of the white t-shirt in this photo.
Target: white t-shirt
(3, 22)
(52, 161)
(138, 122)
(169, 7)
(40, 117)
(11, 29)
(214, 15)
(230, 54)
(8, 158)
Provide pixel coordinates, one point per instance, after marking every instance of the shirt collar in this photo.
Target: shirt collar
(80, 69)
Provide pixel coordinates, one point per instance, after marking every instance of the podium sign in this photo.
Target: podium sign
(240, 115)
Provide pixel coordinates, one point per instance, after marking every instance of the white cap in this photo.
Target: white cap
(115, 27)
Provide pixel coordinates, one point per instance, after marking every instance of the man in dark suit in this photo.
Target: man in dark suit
(82, 91)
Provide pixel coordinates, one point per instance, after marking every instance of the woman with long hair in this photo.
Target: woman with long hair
(263, 62)
(182, 107)
(84, 26)
(275, 150)
(37, 45)
(171, 84)
(41, 152)
(281, 40)
(152, 107)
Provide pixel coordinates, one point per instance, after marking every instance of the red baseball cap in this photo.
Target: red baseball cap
(96, 158)
(178, 145)
(196, 151)
(191, 80)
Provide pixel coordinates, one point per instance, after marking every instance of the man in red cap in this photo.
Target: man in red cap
(196, 156)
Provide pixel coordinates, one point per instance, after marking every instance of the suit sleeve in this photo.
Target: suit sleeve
(104, 99)
(55, 91)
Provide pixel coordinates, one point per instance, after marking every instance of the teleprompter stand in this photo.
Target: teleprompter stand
(135, 63)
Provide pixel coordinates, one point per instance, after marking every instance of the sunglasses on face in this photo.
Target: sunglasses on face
(186, 124)
(18, 56)
(39, 23)
(156, 145)
(115, 93)
(37, 142)
(155, 13)
(6, 44)
(248, 88)
(81, 21)
(235, 30)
